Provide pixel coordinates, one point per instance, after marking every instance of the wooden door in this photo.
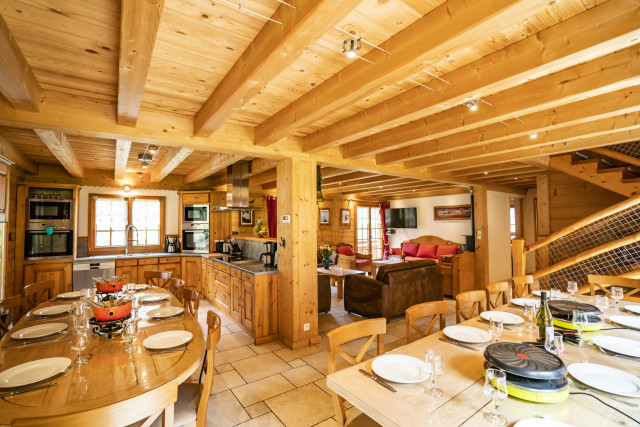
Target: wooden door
(130, 273)
(247, 305)
(173, 268)
(191, 271)
(236, 298)
(60, 272)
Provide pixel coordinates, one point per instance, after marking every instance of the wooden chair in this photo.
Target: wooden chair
(602, 283)
(37, 293)
(522, 286)
(10, 311)
(356, 261)
(175, 287)
(191, 301)
(371, 328)
(157, 278)
(213, 322)
(418, 311)
(501, 291)
(475, 298)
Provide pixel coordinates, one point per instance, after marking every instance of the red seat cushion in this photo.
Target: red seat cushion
(427, 251)
(397, 251)
(361, 262)
(410, 249)
(447, 250)
(346, 251)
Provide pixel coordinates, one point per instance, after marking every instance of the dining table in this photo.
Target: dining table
(112, 377)
(337, 276)
(464, 402)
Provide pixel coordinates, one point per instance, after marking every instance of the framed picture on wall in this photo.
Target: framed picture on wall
(324, 216)
(345, 216)
(246, 217)
(447, 213)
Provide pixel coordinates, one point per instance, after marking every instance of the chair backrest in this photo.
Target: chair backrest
(437, 309)
(10, 311)
(175, 287)
(497, 291)
(157, 278)
(475, 298)
(371, 328)
(604, 282)
(191, 301)
(37, 293)
(213, 337)
(522, 286)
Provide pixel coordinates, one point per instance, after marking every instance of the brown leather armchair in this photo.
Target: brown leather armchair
(347, 258)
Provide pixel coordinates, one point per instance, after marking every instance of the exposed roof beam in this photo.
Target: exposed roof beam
(353, 176)
(404, 188)
(602, 75)
(262, 165)
(389, 182)
(123, 147)
(138, 30)
(411, 195)
(490, 168)
(274, 49)
(374, 180)
(263, 178)
(17, 82)
(331, 172)
(217, 162)
(169, 162)
(539, 162)
(450, 27)
(500, 174)
(60, 147)
(11, 152)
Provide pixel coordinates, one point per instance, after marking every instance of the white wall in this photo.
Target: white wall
(499, 235)
(171, 206)
(449, 230)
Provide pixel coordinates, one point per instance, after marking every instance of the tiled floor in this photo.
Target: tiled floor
(271, 385)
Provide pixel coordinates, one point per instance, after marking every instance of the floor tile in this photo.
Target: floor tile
(266, 420)
(302, 375)
(223, 368)
(259, 367)
(234, 328)
(226, 381)
(329, 422)
(265, 348)
(296, 363)
(223, 357)
(301, 407)
(234, 340)
(287, 354)
(257, 409)
(224, 410)
(260, 390)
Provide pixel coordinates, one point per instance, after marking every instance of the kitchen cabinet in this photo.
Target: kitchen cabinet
(61, 272)
(248, 305)
(128, 268)
(170, 264)
(195, 198)
(204, 280)
(236, 299)
(4, 190)
(191, 271)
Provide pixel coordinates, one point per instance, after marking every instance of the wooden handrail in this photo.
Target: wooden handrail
(584, 222)
(617, 156)
(586, 255)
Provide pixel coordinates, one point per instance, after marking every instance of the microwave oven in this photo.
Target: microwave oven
(50, 210)
(40, 244)
(195, 214)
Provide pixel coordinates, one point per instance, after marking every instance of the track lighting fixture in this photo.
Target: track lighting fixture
(144, 157)
(126, 188)
(144, 165)
(533, 135)
(153, 149)
(471, 105)
(350, 48)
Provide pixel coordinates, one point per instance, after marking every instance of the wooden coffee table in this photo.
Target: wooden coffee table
(339, 277)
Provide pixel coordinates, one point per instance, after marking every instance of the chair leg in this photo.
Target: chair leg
(204, 362)
(167, 416)
(339, 408)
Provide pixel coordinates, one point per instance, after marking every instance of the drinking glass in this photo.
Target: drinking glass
(496, 328)
(80, 315)
(554, 293)
(572, 288)
(580, 320)
(135, 305)
(129, 331)
(435, 367)
(554, 344)
(530, 314)
(495, 387)
(617, 294)
(79, 342)
(602, 302)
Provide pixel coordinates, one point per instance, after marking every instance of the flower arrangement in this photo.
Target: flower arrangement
(326, 250)
(260, 229)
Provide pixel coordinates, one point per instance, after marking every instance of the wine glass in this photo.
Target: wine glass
(495, 387)
(135, 305)
(580, 320)
(602, 302)
(79, 342)
(80, 315)
(617, 294)
(496, 328)
(129, 331)
(530, 314)
(554, 344)
(435, 367)
(572, 288)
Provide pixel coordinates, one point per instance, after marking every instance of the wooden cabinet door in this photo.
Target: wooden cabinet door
(173, 268)
(191, 198)
(219, 226)
(130, 273)
(60, 272)
(203, 280)
(247, 305)
(143, 268)
(209, 282)
(191, 271)
(236, 298)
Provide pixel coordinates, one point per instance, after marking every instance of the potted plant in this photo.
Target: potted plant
(259, 229)
(326, 251)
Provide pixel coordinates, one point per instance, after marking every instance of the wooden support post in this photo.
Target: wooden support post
(297, 242)
(544, 222)
(518, 257)
(481, 236)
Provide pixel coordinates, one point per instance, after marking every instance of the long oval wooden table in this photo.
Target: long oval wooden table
(112, 375)
(464, 403)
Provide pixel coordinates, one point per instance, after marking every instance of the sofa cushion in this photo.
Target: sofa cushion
(447, 250)
(397, 251)
(383, 272)
(410, 248)
(413, 258)
(346, 250)
(363, 261)
(427, 251)
(422, 263)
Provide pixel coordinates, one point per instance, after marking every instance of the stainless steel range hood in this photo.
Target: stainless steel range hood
(237, 187)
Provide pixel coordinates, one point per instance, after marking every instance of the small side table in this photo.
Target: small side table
(339, 277)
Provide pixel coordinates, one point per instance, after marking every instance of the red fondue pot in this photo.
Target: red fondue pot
(109, 287)
(112, 313)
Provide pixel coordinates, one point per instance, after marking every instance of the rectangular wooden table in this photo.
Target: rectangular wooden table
(464, 403)
(338, 277)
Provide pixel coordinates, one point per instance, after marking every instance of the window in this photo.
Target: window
(369, 231)
(110, 215)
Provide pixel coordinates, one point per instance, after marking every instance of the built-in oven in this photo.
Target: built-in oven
(60, 210)
(48, 244)
(195, 214)
(196, 239)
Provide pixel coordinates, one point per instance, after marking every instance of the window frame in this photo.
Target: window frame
(120, 249)
(369, 231)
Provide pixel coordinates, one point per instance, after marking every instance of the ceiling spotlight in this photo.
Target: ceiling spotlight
(533, 135)
(153, 149)
(144, 165)
(486, 173)
(127, 188)
(350, 48)
(471, 105)
(515, 178)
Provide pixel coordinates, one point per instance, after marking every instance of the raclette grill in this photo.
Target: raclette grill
(562, 312)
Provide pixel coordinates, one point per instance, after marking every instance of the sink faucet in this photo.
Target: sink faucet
(126, 238)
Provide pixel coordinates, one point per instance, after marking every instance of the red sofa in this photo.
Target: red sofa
(416, 251)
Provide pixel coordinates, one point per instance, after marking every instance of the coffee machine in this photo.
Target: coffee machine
(171, 244)
(270, 254)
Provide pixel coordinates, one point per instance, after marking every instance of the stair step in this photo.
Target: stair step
(586, 162)
(612, 170)
(630, 180)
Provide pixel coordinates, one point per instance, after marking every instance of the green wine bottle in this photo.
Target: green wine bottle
(544, 320)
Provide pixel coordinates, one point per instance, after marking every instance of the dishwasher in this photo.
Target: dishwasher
(84, 272)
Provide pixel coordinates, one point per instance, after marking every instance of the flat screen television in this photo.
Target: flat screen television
(401, 218)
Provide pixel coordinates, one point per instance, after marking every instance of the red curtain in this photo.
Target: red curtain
(272, 215)
(385, 237)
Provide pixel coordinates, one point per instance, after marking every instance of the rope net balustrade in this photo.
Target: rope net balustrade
(631, 149)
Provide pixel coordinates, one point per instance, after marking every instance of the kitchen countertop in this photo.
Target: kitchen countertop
(103, 258)
(254, 267)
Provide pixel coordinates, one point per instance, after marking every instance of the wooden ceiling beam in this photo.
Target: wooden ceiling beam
(500, 174)
(60, 147)
(374, 180)
(420, 194)
(11, 152)
(261, 165)
(541, 162)
(598, 107)
(138, 30)
(405, 189)
(216, 163)
(602, 75)
(18, 84)
(328, 172)
(274, 49)
(390, 184)
(448, 28)
(603, 29)
(263, 178)
(169, 162)
(346, 178)
(490, 168)
(123, 147)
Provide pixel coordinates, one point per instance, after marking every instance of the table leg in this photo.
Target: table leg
(340, 285)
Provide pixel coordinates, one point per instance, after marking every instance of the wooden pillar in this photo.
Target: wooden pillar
(297, 246)
(544, 222)
(518, 257)
(481, 236)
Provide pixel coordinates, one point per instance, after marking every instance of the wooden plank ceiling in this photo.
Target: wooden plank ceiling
(209, 83)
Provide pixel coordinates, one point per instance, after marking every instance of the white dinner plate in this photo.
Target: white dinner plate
(633, 308)
(33, 372)
(168, 339)
(539, 293)
(540, 422)
(154, 298)
(38, 331)
(140, 287)
(507, 318)
(466, 334)
(632, 322)
(53, 310)
(71, 295)
(605, 378)
(618, 345)
(520, 302)
(400, 368)
(160, 313)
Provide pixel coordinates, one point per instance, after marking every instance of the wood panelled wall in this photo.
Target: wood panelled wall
(571, 199)
(336, 232)
(10, 288)
(260, 211)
